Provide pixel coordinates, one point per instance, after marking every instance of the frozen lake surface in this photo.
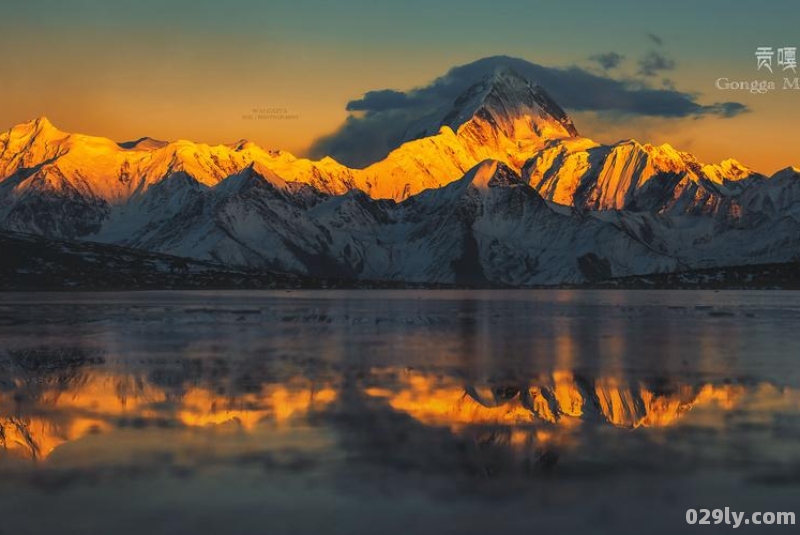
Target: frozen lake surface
(396, 411)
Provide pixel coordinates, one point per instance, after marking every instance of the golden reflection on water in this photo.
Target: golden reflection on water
(546, 410)
(99, 402)
(557, 399)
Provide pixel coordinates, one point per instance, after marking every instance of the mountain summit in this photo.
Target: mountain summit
(511, 104)
(506, 101)
(501, 117)
(500, 87)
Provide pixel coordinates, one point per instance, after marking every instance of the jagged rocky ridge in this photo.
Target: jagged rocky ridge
(500, 189)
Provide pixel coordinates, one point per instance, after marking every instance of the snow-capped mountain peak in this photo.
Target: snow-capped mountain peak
(490, 174)
(41, 126)
(254, 174)
(32, 138)
(501, 117)
(512, 106)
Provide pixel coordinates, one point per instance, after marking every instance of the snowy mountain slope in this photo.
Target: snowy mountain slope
(252, 218)
(508, 234)
(635, 177)
(32, 262)
(698, 242)
(776, 198)
(700, 215)
(488, 227)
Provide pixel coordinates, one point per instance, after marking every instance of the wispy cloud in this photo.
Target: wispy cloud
(655, 39)
(608, 60)
(655, 62)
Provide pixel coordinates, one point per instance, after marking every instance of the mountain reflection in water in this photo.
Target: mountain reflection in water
(395, 412)
(49, 400)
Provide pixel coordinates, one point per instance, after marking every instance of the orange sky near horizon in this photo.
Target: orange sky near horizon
(201, 83)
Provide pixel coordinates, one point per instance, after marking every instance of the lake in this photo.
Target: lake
(396, 411)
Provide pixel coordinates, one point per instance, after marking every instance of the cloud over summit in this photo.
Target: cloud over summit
(386, 118)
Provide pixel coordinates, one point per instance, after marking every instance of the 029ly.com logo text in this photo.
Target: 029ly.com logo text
(737, 518)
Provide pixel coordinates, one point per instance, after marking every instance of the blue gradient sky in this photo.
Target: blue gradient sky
(194, 69)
